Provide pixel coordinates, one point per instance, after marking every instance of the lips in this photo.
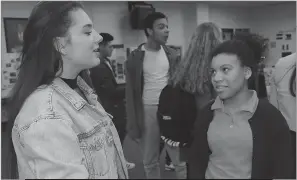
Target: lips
(220, 88)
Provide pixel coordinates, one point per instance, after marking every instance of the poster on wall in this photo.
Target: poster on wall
(118, 60)
(10, 64)
(227, 34)
(14, 29)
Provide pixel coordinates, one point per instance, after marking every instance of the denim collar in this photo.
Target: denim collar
(70, 95)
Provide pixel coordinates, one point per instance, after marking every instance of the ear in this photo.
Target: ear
(60, 44)
(149, 31)
(247, 72)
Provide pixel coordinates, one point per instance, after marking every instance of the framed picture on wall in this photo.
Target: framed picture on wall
(14, 29)
(227, 34)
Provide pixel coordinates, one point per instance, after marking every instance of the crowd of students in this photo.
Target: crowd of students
(202, 108)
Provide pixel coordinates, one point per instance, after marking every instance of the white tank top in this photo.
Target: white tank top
(155, 72)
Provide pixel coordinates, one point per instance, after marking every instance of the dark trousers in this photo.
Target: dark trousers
(293, 138)
(119, 119)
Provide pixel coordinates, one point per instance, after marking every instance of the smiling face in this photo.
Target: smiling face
(159, 32)
(228, 76)
(81, 46)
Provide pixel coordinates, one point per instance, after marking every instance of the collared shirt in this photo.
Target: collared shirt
(230, 140)
(108, 63)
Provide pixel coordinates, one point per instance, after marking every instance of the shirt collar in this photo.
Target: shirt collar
(250, 106)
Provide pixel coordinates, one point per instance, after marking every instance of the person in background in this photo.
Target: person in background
(58, 128)
(147, 71)
(239, 135)
(187, 91)
(283, 94)
(110, 93)
(259, 46)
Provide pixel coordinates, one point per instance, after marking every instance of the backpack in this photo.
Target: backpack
(176, 116)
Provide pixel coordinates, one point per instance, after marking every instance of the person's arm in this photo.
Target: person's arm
(282, 150)
(53, 150)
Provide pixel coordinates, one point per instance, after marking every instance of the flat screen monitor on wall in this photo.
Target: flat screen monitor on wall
(138, 13)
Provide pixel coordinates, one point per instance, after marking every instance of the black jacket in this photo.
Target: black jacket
(176, 115)
(109, 92)
(272, 151)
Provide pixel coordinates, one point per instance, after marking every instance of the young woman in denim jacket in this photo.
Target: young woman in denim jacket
(59, 129)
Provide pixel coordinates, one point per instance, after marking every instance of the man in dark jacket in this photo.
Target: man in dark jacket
(148, 68)
(109, 92)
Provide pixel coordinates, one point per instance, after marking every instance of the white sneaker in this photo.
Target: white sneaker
(169, 167)
(130, 165)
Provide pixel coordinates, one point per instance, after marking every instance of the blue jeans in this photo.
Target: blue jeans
(150, 143)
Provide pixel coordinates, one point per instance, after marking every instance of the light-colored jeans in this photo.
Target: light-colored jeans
(150, 146)
(180, 166)
(150, 143)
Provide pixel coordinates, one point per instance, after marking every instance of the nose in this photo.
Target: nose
(166, 30)
(216, 77)
(98, 37)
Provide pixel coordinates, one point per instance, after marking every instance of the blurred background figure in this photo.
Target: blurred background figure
(110, 93)
(283, 94)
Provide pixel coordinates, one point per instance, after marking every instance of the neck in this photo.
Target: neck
(102, 57)
(239, 99)
(69, 72)
(152, 45)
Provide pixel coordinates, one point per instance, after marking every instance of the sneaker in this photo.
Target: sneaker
(169, 167)
(130, 165)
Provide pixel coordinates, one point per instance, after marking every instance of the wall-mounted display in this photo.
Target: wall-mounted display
(14, 28)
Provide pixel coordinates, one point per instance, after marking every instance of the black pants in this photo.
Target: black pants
(119, 120)
(293, 138)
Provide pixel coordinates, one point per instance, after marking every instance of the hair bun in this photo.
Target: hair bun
(255, 42)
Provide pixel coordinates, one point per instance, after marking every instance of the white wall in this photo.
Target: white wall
(269, 20)
(113, 17)
(229, 17)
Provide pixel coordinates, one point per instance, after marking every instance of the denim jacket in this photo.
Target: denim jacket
(58, 134)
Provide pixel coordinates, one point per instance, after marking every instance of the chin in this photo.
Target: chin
(223, 96)
(95, 63)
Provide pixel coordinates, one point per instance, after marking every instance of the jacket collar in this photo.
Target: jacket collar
(71, 95)
(166, 49)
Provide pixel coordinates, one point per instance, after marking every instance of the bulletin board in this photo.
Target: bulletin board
(118, 62)
(9, 72)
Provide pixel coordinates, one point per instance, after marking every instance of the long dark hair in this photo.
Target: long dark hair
(40, 60)
(293, 83)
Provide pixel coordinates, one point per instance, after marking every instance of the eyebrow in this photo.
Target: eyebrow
(88, 26)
